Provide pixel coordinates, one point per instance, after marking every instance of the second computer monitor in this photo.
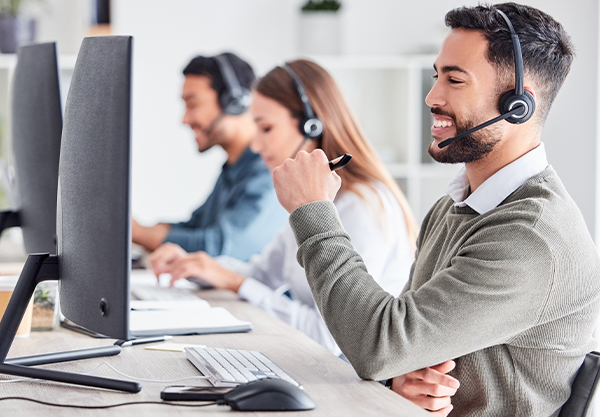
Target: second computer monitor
(36, 135)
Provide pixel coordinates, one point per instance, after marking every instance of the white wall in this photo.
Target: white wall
(65, 22)
(170, 179)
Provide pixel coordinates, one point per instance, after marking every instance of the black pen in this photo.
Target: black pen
(124, 343)
(339, 162)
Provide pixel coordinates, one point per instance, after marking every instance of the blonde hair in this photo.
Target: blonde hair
(341, 132)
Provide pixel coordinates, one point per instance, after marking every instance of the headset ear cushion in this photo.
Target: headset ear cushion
(509, 100)
(311, 128)
(235, 106)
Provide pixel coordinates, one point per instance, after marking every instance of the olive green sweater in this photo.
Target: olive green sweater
(511, 295)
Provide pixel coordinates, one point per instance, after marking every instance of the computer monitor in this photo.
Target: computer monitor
(36, 133)
(93, 212)
(94, 216)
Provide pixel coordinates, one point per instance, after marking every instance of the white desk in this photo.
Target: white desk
(331, 382)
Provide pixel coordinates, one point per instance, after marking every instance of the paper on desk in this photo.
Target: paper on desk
(173, 347)
(140, 305)
(185, 321)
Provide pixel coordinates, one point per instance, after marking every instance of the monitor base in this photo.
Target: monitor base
(43, 267)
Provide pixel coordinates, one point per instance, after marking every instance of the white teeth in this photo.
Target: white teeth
(442, 123)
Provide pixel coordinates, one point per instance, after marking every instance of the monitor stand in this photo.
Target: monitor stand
(9, 219)
(38, 268)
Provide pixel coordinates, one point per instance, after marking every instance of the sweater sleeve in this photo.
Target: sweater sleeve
(480, 300)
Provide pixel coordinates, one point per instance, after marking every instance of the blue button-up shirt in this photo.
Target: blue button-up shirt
(240, 216)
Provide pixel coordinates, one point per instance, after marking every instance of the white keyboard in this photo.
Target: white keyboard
(231, 367)
(157, 293)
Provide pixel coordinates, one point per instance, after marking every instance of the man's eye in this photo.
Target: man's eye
(453, 81)
(435, 76)
(266, 129)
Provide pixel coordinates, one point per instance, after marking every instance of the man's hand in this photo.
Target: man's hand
(305, 179)
(163, 258)
(149, 237)
(429, 388)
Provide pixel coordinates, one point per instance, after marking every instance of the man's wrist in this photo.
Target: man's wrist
(315, 218)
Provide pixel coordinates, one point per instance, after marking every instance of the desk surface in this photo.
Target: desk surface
(331, 382)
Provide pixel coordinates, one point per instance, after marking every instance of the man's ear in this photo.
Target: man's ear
(529, 89)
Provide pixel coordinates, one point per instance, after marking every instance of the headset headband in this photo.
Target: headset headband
(236, 99)
(308, 110)
(310, 126)
(231, 81)
(517, 54)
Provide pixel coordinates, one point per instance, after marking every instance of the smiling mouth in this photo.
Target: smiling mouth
(438, 123)
(442, 126)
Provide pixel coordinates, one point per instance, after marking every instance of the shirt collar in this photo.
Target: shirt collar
(496, 188)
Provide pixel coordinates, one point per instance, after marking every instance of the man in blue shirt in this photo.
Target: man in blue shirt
(242, 214)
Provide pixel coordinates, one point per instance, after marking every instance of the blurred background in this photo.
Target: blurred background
(380, 51)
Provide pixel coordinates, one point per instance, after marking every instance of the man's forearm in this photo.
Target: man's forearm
(327, 272)
(383, 336)
(150, 237)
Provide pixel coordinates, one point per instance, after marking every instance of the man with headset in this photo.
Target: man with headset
(241, 215)
(505, 281)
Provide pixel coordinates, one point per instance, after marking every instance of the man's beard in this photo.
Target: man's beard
(470, 148)
(213, 135)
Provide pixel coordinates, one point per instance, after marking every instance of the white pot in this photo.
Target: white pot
(319, 33)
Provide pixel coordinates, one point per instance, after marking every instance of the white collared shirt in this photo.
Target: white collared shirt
(496, 188)
(382, 243)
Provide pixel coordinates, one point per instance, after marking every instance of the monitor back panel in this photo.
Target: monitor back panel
(94, 215)
(36, 135)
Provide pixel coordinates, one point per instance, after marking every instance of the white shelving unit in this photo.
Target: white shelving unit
(7, 66)
(387, 94)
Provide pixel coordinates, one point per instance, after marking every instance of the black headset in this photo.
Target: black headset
(516, 106)
(310, 126)
(236, 99)
(517, 97)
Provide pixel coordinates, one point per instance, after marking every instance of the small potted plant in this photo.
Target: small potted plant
(15, 26)
(320, 27)
(45, 308)
(322, 5)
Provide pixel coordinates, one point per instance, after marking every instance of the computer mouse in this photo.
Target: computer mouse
(268, 395)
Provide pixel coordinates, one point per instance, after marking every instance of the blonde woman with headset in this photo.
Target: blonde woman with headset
(299, 107)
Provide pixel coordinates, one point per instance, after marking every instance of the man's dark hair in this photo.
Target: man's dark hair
(546, 47)
(207, 66)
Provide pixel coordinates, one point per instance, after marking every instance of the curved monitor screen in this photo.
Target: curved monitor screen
(94, 216)
(36, 132)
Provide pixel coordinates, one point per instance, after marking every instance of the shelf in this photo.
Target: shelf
(387, 94)
(8, 61)
(375, 62)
